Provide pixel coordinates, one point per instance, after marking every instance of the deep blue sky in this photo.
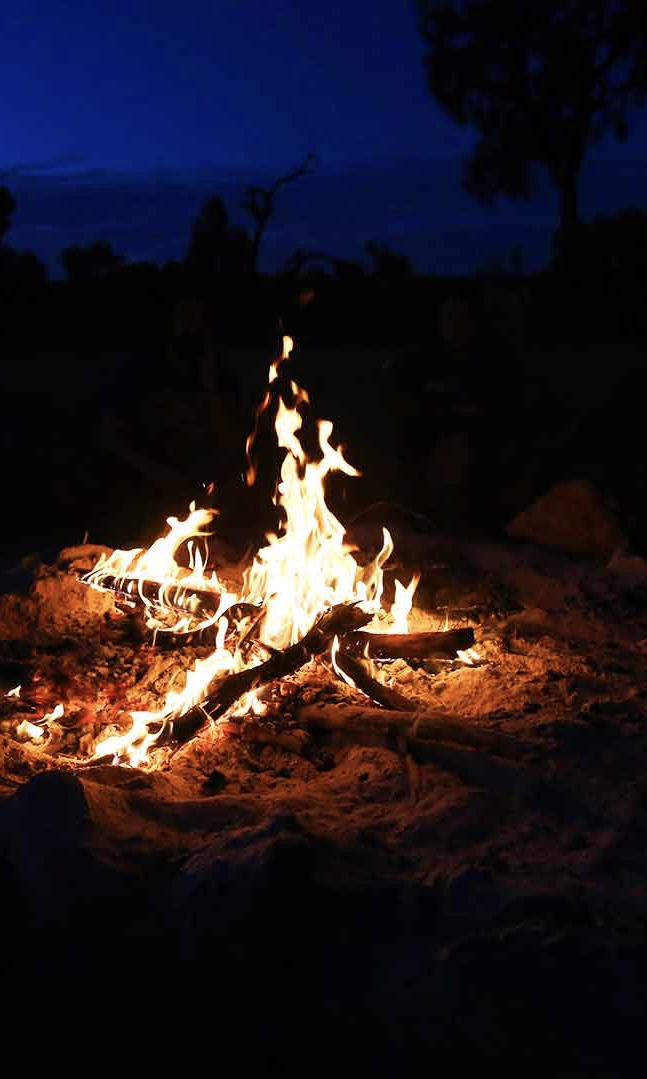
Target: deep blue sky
(118, 126)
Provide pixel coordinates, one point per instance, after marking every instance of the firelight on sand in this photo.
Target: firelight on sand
(303, 570)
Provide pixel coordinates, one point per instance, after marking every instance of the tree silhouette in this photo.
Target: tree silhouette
(259, 202)
(540, 82)
(23, 269)
(215, 246)
(387, 264)
(302, 262)
(95, 260)
(7, 208)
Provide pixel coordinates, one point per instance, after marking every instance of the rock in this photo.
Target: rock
(631, 570)
(571, 517)
(57, 606)
(81, 558)
(46, 850)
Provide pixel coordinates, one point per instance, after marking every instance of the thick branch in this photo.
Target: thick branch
(476, 755)
(422, 725)
(199, 603)
(409, 645)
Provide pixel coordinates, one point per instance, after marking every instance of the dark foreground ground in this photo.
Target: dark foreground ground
(355, 905)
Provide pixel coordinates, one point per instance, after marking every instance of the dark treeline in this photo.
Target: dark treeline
(128, 385)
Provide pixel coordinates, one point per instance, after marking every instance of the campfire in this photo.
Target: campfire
(254, 762)
(307, 596)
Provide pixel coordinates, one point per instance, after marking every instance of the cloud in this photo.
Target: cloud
(19, 169)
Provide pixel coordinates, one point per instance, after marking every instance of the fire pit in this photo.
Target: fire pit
(307, 594)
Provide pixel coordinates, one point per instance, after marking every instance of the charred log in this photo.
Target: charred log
(433, 645)
(421, 725)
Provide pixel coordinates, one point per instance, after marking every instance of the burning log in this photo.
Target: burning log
(359, 674)
(220, 696)
(200, 604)
(432, 645)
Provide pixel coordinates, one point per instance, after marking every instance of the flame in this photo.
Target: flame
(36, 731)
(15, 692)
(250, 702)
(402, 604)
(302, 571)
(55, 714)
(338, 670)
(173, 586)
(469, 656)
(30, 730)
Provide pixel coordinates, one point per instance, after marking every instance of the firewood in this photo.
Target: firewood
(358, 672)
(199, 603)
(432, 645)
(422, 725)
(202, 603)
(474, 754)
(223, 692)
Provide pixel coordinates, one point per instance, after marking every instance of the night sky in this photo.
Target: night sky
(118, 126)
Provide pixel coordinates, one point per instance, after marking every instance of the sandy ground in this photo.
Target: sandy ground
(459, 903)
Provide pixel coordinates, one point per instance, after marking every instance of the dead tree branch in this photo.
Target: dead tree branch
(259, 203)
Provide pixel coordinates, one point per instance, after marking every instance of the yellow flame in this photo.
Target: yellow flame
(338, 670)
(402, 604)
(173, 585)
(30, 730)
(56, 713)
(15, 692)
(300, 573)
(469, 656)
(250, 703)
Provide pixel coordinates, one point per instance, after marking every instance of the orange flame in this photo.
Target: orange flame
(302, 571)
